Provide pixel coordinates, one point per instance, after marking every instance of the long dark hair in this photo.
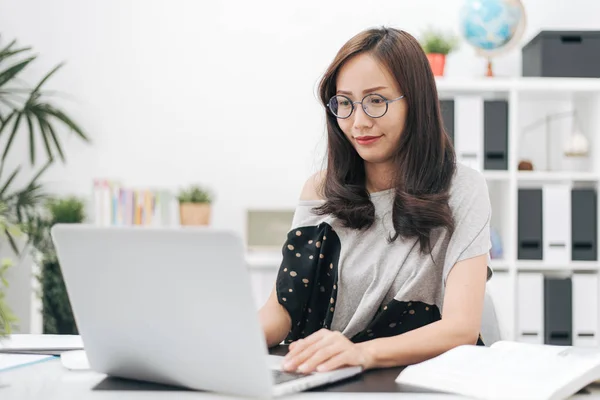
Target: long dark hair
(424, 159)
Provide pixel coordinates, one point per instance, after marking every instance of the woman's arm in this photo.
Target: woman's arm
(275, 320)
(460, 323)
(461, 320)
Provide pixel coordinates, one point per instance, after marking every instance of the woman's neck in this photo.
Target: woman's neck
(379, 176)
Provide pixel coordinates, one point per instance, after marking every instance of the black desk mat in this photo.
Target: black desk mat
(372, 381)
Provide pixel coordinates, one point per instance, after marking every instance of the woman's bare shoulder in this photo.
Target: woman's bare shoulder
(313, 187)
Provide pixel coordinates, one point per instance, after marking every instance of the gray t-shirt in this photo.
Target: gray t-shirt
(358, 283)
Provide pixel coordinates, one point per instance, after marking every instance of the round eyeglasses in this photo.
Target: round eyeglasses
(374, 105)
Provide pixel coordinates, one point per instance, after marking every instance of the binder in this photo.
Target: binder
(495, 138)
(558, 325)
(557, 224)
(468, 134)
(530, 224)
(584, 224)
(585, 309)
(499, 289)
(530, 307)
(447, 111)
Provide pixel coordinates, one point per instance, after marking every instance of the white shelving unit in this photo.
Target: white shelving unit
(530, 99)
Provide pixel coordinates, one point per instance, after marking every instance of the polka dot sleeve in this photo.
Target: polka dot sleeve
(306, 281)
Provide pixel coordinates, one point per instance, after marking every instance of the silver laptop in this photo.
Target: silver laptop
(172, 306)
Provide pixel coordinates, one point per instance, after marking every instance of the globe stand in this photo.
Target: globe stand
(489, 71)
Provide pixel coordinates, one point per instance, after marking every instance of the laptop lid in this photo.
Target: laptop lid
(168, 305)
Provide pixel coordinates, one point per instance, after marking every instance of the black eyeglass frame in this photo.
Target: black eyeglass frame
(352, 103)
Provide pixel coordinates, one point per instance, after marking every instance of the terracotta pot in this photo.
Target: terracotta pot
(437, 62)
(193, 214)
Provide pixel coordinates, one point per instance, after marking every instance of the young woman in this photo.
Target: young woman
(387, 259)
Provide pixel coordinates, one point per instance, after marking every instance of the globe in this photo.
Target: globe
(492, 27)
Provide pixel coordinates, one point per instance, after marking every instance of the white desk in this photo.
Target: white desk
(49, 380)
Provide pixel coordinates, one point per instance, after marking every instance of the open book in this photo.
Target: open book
(506, 370)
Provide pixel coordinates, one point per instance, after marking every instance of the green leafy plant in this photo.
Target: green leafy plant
(195, 194)
(438, 42)
(33, 112)
(56, 307)
(7, 318)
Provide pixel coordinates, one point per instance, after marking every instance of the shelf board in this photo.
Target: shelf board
(547, 85)
(475, 84)
(499, 265)
(523, 85)
(496, 175)
(545, 176)
(534, 265)
(268, 260)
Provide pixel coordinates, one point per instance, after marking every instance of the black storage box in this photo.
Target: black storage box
(562, 54)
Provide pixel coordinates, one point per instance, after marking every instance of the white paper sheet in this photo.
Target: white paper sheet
(10, 361)
(44, 344)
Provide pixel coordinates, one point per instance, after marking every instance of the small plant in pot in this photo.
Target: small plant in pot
(195, 205)
(437, 45)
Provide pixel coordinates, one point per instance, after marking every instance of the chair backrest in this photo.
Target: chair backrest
(490, 327)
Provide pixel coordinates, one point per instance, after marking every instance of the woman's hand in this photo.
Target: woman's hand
(324, 350)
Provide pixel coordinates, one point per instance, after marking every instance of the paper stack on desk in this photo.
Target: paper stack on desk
(10, 361)
(40, 344)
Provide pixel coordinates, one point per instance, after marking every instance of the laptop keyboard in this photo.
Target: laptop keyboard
(282, 376)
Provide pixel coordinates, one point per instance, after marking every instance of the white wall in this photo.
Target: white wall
(149, 80)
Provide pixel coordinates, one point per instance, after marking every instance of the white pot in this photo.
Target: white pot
(575, 163)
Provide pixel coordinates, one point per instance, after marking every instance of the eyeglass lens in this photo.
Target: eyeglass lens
(373, 104)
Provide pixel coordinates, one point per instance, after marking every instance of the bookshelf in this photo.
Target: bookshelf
(530, 99)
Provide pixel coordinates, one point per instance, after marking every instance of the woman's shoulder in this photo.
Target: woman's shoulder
(313, 187)
(467, 181)
(310, 199)
(469, 192)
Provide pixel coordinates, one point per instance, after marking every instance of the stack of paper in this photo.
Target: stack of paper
(10, 361)
(40, 344)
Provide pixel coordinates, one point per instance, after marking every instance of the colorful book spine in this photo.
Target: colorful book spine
(115, 204)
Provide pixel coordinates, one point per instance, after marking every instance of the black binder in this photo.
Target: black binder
(558, 311)
(447, 110)
(584, 235)
(530, 225)
(495, 137)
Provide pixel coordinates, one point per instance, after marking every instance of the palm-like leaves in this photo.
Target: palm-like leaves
(26, 111)
(30, 108)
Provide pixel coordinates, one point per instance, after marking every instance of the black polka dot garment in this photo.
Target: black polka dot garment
(307, 289)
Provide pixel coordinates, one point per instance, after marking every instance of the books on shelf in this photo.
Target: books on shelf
(506, 370)
(115, 204)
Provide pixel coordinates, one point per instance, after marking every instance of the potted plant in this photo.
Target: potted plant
(437, 45)
(195, 205)
(29, 115)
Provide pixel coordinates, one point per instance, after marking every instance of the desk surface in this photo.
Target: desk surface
(49, 380)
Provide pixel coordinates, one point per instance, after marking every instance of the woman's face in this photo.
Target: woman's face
(375, 139)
